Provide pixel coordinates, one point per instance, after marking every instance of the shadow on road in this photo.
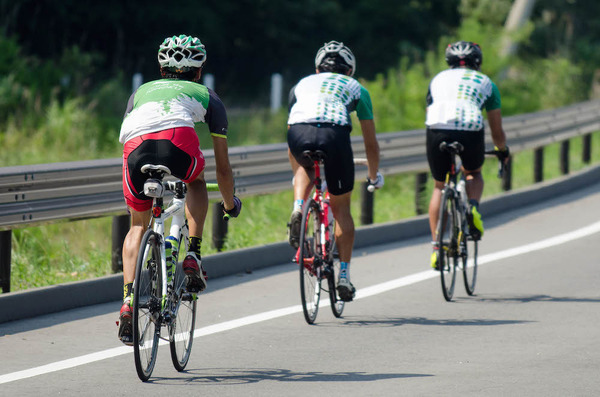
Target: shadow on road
(229, 376)
(534, 298)
(400, 321)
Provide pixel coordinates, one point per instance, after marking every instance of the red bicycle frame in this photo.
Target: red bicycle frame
(322, 199)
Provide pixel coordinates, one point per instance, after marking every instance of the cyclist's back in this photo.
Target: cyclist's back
(172, 103)
(456, 98)
(328, 98)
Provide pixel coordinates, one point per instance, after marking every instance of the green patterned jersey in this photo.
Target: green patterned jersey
(456, 98)
(328, 98)
(168, 103)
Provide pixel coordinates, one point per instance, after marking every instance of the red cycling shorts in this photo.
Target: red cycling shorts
(176, 148)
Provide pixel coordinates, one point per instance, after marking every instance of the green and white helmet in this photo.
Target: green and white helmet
(181, 52)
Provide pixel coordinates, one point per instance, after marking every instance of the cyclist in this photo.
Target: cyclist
(455, 101)
(158, 128)
(319, 118)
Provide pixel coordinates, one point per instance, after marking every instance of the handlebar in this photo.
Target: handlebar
(499, 156)
(363, 161)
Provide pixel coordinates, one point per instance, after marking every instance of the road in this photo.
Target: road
(531, 330)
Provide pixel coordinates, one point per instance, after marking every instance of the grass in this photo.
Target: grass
(70, 251)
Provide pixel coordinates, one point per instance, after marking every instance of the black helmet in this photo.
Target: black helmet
(464, 53)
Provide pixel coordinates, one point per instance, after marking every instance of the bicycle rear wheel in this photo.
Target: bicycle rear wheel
(447, 233)
(147, 295)
(469, 264)
(181, 330)
(309, 261)
(333, 275)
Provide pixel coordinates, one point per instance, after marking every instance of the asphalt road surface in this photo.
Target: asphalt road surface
(532, 329)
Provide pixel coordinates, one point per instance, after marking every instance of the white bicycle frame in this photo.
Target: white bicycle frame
(176, 210)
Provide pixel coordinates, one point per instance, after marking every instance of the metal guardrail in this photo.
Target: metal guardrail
(41, 193)
(38, 194)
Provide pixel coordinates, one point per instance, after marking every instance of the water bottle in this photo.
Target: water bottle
(462, 190)
(171, 244)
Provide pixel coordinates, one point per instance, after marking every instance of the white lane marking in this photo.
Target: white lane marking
(265, 316)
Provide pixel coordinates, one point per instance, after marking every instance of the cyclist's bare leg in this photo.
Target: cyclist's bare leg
(196, 205)
(434, 207)
(474, 184)
(302, 179)
(344, 228)
(131, 245)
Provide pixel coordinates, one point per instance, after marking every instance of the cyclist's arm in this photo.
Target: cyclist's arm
(371, 147)
(364, 111)
(224, 174)
(498, 135)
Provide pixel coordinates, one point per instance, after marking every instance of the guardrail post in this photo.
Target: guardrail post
(120, 227)
(420, 188)
(219, 232)
(507, 176)
(587, 148)
(366, 205)
(538, 165)
(5, 252)
(564, 157)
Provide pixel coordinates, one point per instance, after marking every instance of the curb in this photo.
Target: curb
(46, 300)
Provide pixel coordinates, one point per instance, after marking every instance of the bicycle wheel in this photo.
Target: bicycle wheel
(147, 295)
(181, 330)
(309, 261)
(469, 263)
(447, 233)
(333, 275)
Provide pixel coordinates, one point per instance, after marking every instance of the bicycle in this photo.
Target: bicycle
(317, 256)
(455, 242)
(160, 297)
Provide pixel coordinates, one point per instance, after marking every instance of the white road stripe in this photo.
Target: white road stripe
(265, 316)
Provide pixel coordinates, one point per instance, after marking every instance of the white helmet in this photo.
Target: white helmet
(181, 52)
(336, 48)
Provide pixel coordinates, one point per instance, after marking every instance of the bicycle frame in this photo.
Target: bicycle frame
(321, 197)
(159, 216)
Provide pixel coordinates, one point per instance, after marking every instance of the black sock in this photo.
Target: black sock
(127, 290)
(474, 203)
(195, 244)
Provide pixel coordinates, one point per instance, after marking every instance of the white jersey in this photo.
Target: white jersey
(328, 98)
(456, 98)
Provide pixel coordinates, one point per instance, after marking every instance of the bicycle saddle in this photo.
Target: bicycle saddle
(156, 170)
(454, 146)
(314, 155)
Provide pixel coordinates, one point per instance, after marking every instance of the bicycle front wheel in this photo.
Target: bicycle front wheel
(337, 305)
(181, 330)
(147, 295)
(447, 233)
(469, 264)
(309, 261)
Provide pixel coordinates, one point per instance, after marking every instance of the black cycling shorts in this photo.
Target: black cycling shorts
(439, 162)
(332, 139)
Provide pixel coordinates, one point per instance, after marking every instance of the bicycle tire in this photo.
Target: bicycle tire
(469, 264)
(447, 233)
(308, 261)
(147, 296)
(333, 275)
(181, 330)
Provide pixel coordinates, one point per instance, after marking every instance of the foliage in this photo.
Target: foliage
(246, 40)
